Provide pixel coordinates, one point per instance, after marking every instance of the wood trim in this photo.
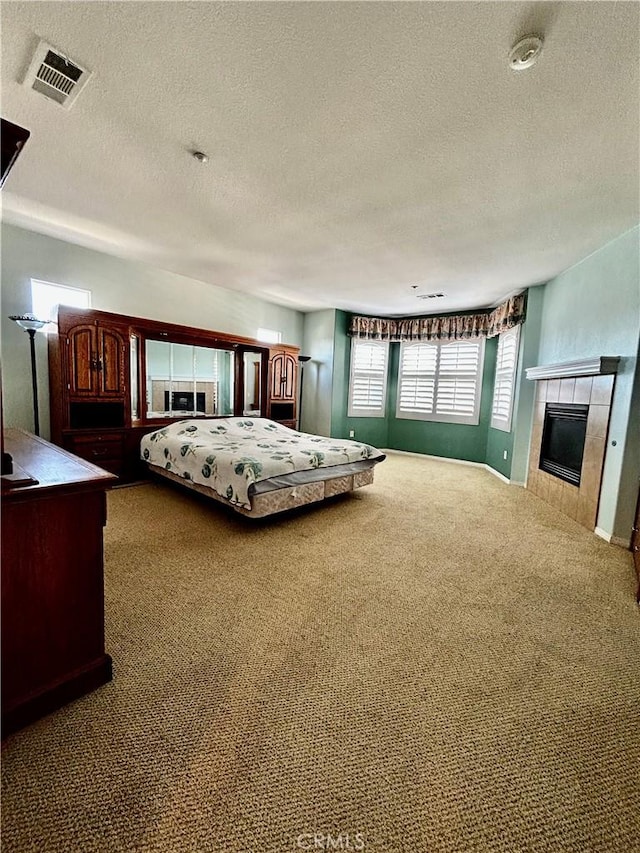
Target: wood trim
(52, 697)
(598, 366)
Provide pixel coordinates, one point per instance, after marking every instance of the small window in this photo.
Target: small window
(441, 382)
(45, 296)
(269, 336)
(368, 379)
(504, 387)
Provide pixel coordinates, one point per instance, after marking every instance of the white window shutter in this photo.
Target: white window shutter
(368, 379)
(441, 381)
(504, 386)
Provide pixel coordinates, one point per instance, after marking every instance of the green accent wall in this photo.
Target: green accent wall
(453, 441)
(499, 442)
(593, 309)
(370, 430)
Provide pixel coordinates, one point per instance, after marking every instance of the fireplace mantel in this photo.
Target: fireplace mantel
(599, 365)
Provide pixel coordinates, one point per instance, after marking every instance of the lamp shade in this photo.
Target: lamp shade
(28, 321)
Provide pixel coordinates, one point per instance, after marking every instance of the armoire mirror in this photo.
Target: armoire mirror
(183, 380)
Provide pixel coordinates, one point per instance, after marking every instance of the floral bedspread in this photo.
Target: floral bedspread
(229, 454)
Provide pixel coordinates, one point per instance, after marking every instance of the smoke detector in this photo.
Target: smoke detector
(525, 53)
(55, 76)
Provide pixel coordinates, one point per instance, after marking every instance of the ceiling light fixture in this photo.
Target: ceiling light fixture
(525, 53)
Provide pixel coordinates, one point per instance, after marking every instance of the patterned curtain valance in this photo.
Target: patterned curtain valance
(452, 328)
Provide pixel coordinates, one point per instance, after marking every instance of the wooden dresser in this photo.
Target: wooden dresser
(52, 580)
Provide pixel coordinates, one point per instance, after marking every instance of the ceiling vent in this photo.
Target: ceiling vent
(54, 75)
(430, 295)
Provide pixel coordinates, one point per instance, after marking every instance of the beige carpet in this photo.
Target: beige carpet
(440, 662)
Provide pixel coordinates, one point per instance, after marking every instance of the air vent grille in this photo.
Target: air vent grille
(430, 295)
(55, 76)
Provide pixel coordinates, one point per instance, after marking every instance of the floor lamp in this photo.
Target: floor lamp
(31, 325)
(302, 360)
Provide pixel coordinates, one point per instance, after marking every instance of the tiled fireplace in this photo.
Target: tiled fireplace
(576, 384)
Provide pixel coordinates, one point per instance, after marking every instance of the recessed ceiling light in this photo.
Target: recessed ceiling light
(525, 53)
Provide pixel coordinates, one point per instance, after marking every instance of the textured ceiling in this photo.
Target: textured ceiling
(356, 149)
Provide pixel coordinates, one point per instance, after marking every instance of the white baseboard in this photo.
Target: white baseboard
(455, 462)
(602, 534)
(498, 474)
(620, 541)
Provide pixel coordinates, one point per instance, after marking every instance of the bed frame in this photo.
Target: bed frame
(281, 499)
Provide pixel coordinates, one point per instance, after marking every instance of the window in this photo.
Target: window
(269, 336)
(441, 382)
(368, 379)
(503, 389)
(45, 296)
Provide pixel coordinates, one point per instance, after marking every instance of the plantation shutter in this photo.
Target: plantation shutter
(440, 382)
(368, 381)
(417, 385)
(458, 378)
(503, 389)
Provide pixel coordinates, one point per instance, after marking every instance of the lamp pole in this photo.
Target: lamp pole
(34, 380)
(302, 360)
(31, 325)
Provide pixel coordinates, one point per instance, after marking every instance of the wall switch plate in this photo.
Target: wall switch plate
(504, 455)
(352, 433)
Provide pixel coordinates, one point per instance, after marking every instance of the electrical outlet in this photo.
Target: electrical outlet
(504, 455)
(352, 433)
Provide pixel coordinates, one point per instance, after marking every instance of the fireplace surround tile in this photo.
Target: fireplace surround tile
(587, 510)
(582, 389)
(598, 420)
(592, 465)
(569, 502)
(554, 491)
(567, 387)
(553, 390)
(602, 390)
(579, 503)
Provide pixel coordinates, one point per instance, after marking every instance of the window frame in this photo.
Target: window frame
(502, 425)
(447, 418)
(368, 413)
(51, 324)
(271, 337)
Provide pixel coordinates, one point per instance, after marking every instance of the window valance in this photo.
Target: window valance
(445, 328)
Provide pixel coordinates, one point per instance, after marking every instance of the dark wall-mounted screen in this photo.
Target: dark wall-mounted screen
(12, 141)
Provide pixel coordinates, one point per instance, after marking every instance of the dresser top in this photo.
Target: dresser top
(54, 469)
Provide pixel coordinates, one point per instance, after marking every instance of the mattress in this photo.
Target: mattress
(240, 457)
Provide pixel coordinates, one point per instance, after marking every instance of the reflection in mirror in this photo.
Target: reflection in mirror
(133, 367)
(252, 384)
(186, 381)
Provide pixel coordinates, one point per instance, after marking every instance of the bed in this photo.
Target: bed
(255, 465)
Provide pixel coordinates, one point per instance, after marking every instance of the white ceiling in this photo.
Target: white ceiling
(356, 149)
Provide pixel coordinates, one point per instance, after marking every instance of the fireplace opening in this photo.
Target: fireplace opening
(565, 429)
(182, 401)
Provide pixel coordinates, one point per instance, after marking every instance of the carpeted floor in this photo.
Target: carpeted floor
(438, 663)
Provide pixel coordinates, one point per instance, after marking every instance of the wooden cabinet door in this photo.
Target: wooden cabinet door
(111, 367)
(283, 377)
(82, 359)
(289, 385)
